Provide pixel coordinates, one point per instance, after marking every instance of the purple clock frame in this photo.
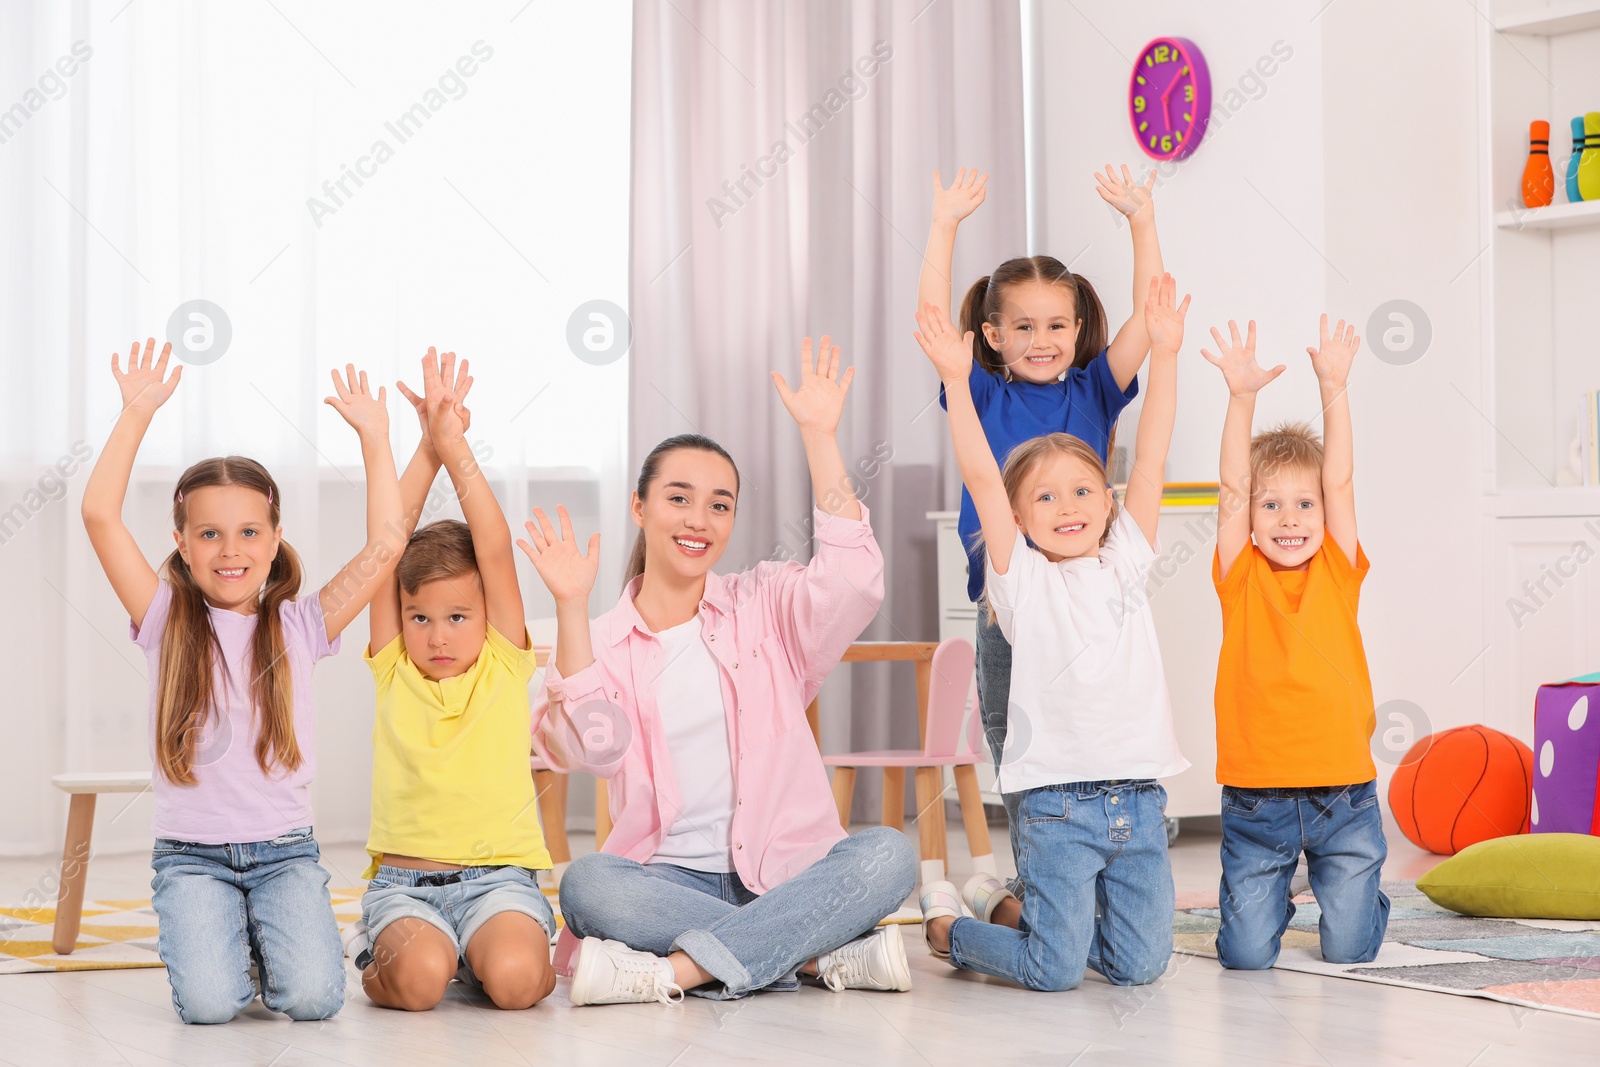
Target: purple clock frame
(1149, 76)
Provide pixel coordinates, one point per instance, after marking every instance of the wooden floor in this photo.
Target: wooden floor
(1197, 1014)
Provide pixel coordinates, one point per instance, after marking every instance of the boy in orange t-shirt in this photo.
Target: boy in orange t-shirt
(1294, 700)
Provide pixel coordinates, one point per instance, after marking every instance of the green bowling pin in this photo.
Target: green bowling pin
(1589, 163)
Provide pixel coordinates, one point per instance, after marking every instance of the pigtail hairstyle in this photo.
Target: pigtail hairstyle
(985, 298)
(648, 472)
(185, 692)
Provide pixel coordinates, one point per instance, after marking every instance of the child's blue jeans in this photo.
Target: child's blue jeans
(1340, 830)
(219, 905)
(1093, 856)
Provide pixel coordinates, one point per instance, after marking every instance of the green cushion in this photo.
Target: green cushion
(1525, 876)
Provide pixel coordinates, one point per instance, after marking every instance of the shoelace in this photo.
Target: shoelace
(642, 977)
(847, 965)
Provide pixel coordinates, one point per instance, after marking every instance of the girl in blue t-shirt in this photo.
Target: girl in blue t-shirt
(1041, 365)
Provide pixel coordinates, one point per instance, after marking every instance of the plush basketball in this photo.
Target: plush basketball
(1462, 786)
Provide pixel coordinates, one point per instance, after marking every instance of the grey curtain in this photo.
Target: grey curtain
(782, 172)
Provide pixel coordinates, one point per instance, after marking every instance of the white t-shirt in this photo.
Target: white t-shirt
(689, 703)
(1088, 693)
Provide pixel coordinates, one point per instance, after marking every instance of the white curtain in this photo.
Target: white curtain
(782, 162)
(348, 183)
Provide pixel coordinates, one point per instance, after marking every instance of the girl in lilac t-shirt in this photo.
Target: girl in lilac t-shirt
(230, 644)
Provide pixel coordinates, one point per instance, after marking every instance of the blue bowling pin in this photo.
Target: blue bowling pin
(1573, 196)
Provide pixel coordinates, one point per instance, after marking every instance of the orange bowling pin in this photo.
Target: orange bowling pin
(1538, 180)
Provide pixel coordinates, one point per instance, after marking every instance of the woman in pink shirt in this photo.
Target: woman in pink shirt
(726, 870)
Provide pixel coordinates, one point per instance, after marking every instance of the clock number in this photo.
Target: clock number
(1138, 105)
(1166, 143)
(1188, 93)
(1163, 53)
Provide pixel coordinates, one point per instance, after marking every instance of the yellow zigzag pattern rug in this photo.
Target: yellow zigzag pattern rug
(117, 934)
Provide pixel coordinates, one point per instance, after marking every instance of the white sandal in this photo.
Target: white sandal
(983, 893)
(939, 900)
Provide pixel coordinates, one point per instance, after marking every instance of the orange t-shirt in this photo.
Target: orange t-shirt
(1294, 700)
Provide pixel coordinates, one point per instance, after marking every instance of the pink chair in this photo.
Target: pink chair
(950, 685)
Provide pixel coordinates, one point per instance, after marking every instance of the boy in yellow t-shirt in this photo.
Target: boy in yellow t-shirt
(1294, 700)
(455, 839)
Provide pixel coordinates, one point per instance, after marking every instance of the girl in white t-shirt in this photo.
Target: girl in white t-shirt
(1090, 723)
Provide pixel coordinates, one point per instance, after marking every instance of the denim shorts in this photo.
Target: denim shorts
(457, 903)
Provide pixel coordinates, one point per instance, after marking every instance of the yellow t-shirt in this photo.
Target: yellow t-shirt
(450, 776)
(1294, 700)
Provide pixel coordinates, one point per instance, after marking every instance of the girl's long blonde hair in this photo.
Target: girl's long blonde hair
(185, 688)
(1025, 459)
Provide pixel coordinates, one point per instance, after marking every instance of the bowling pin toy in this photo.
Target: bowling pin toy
(1538, 180)
(1573, 196)
(1589, 162)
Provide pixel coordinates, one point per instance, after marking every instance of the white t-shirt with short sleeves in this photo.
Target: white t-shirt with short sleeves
(689, 703)
(1088, 692)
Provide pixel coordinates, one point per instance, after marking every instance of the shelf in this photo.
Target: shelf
(1552, 21)
(1561, 501)
(1554, 217)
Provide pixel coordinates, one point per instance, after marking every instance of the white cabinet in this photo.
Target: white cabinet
(1188, 624)
(1544, 611)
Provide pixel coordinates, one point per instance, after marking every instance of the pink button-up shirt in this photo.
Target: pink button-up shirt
(775, 632)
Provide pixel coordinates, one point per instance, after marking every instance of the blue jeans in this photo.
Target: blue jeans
(1100, 893)
(994, 704)
(218, 906)
(747, 941)
(1340, 829)
(456, 903)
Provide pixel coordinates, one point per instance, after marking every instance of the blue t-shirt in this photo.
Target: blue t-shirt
(1085, 404)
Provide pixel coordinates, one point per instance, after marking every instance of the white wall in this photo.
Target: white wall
(1323, 188)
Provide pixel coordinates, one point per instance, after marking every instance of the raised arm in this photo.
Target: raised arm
(951, 355)
(383, 620)
(491, 537)
(950, 206)
(569, 574)
(371, 569)
(1130, 345)
(1164, 323)
(815, 407)
(145, 387)
(1245, 378)
(1331, 361)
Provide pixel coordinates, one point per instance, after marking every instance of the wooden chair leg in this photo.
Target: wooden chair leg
(894, 797)
(973, 818)
(930, 822)
(552, 791)
(74, 872)
(844, 788)
(602, 814)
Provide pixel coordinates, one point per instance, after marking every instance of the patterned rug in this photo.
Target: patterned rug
(119, 934)
(1549, 964)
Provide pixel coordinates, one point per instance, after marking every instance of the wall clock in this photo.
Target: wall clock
(1169, 98)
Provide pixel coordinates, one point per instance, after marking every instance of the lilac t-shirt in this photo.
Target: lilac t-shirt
(232, 800)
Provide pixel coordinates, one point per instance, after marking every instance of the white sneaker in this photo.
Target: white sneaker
(357, 945)
(876, 961)
(609, 972)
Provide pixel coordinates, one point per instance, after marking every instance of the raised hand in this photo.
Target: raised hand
(145, 384)
(1127, 195)
(568, 573)
(961, 199)
(948, 351)
(1336, 351)
(819, 401)
(1238, 361)
(463, 385)
(447, 423)
(366, 414)
(1162, 320)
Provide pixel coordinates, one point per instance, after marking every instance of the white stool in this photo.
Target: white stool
(75, 853)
